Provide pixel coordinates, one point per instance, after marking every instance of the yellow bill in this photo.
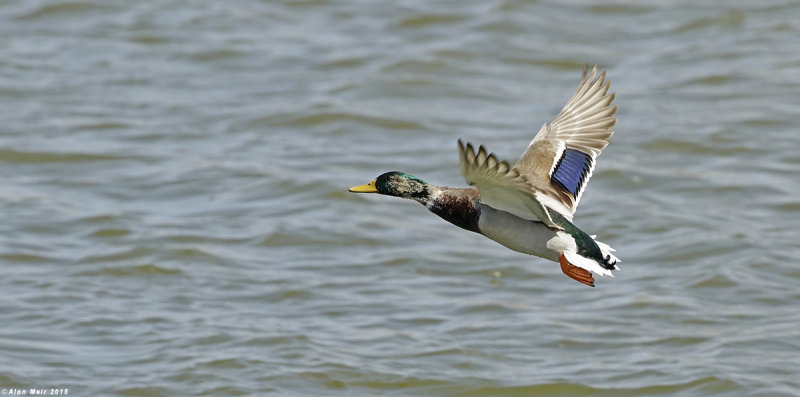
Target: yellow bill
(368, 188)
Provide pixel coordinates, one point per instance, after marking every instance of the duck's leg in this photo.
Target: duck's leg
(578, 274)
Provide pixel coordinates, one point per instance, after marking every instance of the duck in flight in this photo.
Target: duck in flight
(528, 207)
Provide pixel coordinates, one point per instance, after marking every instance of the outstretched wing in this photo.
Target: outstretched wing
(501, 187)
(561, 157)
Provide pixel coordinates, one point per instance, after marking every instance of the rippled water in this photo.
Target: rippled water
(176, 220)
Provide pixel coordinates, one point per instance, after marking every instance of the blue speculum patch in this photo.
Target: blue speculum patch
(571, 170)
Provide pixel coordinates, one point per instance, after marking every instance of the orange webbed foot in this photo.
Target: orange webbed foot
(578, 274)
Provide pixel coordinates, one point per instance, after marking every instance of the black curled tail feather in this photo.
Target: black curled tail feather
(608, 263)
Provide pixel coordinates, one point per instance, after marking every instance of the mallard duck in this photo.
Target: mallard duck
(529, 207)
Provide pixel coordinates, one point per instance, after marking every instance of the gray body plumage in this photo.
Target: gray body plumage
(515, 233)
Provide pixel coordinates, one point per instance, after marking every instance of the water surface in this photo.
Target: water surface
(176, 220)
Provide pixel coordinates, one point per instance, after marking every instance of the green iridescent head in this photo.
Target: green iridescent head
(395, 183)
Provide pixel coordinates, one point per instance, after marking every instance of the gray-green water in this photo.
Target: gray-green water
(175, 219)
